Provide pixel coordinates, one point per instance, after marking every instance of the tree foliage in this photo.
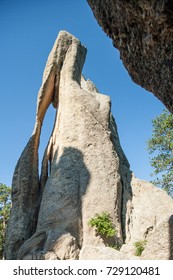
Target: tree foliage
(5, 205)
(161, 146)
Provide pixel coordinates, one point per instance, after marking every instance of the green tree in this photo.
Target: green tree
(5, 205)
(161, 146)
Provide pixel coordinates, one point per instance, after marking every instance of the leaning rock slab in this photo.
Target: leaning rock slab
(143, 33)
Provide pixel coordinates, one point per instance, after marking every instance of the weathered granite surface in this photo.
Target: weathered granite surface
(151, 220)
(143, 33)
(84, 172)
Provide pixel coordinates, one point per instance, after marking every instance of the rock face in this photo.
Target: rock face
(143, 33)
(151, 219)
(84, 172)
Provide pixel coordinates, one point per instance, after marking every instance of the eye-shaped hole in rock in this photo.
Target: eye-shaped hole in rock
(45, 145)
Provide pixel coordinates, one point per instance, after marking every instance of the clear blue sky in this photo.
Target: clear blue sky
(28, 29)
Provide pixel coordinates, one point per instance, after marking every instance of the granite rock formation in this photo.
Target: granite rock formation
(84, 172)
(143, 33)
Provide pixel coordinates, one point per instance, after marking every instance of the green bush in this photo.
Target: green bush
(5, 205)
(139, 247)
(103, 224)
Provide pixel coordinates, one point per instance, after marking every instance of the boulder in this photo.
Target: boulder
(151, 221)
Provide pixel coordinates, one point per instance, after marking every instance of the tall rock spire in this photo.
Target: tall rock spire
(84, 170)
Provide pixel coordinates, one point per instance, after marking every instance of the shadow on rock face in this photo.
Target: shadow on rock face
(60, 215)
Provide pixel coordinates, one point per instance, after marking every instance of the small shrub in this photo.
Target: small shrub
(139, 247)
(103, 224)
